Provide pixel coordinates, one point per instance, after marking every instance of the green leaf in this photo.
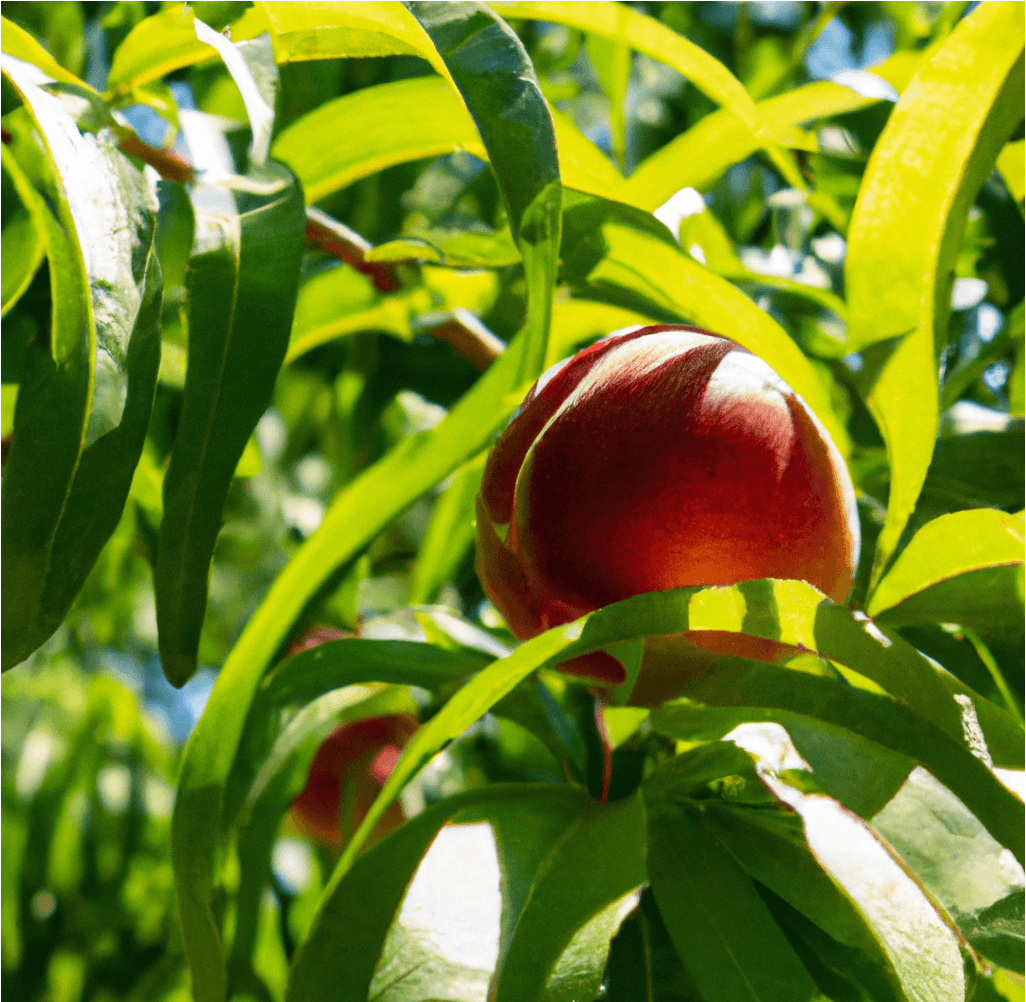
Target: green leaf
(625, 26)
(450, 533)
(699, 157)
(723, 932)
(17, 42)
(355, 914)
(452, 248)
(23, 247)
(610, 249)
(327, 30)
(409, 120)
(85, 399)
(340, 301)
(163, 43)
(947, 547)
(598, 861)
(772, 849)
(354, 519)
(1011, 165)
(757, 692)
(959, 864)
(906, 230)
(242, 290)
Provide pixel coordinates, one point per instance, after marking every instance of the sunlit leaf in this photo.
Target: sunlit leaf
(409, 120)
(699, 156)
(947, 547)
(357, 911)
(1011, 165)
(907, 227)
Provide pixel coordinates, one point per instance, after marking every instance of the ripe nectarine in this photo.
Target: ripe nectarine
(660, 457)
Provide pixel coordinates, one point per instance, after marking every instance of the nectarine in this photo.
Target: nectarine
(660, 457)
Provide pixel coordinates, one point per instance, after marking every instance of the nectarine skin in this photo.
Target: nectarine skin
(352, 762)
(657, 458)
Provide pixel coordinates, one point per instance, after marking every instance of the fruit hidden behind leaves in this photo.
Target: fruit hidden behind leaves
(657, 458)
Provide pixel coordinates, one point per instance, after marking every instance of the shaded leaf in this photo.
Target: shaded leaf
(723, 932)
(959, 864)
(595, 863)
(23, 248)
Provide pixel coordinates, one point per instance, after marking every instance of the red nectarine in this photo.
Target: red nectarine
(660, 457)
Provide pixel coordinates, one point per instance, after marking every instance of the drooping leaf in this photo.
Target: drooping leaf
(340, 952)
(496, 80)
(242, 290)
(948, 547)
(596, 862)
(85, 399)
(907, 227)
(722, 930)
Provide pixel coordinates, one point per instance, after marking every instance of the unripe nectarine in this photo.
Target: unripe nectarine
(660, 457)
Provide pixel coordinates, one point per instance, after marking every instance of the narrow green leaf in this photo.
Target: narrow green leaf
(242, 290)
(354, 519)
(596, 862)
(756, 692)
(611, 61)
(22, 248)
(497, 82)
(163, 43)
(723, 932)
(85, 399)
(625, 26)
(699, 157)
(355, 914)
(960, 864)
(906, 230)
(610, 249)
(947, 547)
(450, 533)
(17, 42)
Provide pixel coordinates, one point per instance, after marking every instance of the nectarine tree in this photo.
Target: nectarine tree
(632, 397)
